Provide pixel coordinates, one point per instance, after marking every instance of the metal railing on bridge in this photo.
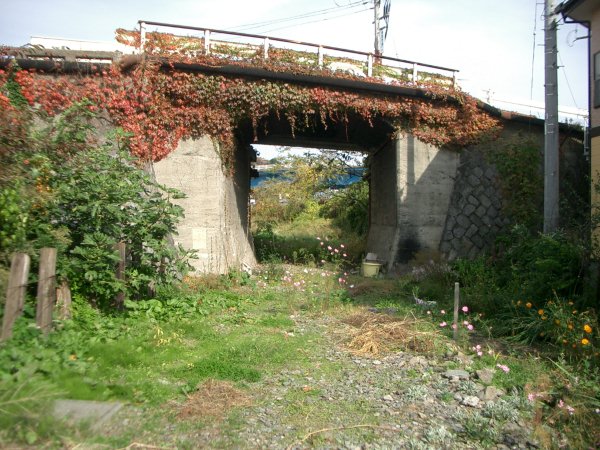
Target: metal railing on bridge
(354, 62)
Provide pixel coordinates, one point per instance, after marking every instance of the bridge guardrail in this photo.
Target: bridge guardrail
(359, 63)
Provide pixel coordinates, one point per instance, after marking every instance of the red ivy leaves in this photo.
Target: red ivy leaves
(159, 108)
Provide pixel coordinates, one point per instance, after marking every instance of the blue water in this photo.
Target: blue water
(354, 175)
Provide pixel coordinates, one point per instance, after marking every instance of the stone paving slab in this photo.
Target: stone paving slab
(96, 413)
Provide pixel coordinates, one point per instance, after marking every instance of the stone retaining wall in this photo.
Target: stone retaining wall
(475, 213)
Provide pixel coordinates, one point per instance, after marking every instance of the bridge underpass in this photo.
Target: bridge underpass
(411, 184)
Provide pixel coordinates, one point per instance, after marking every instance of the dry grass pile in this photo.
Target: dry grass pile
(377, 333)
(214, 399)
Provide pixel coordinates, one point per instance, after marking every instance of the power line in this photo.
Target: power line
(300, 16)
(315, 21)
(562, 66)
(535, 16)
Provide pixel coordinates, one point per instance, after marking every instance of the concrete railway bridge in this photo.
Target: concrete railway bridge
(439, 194)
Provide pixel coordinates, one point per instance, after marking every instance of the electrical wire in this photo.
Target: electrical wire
(562, 66)
(535, 16)
(315, 21)
(300, 16)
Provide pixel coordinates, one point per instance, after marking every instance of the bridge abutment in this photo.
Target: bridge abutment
(411, 188)
(216, 222)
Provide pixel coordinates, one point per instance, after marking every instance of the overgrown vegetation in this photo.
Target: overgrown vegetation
(64, 189)
(302, 204)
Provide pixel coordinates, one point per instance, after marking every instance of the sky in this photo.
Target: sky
(490, 42)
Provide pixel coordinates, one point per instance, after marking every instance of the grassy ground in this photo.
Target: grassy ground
(190, 365)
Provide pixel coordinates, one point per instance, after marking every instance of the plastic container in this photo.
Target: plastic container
(370, 269)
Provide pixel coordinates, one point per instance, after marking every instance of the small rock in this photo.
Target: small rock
(456, 373)
(470, 400)
(377, 362)
(492, 393)
(485, 375)
(418, 361)
(464, 359)
(388, 398)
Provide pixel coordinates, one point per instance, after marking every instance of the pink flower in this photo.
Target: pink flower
(465, 323)
(470, 327)
(506, 369)
(318, 238)
(336, 250)
(531, 397)
(480, 353)
(322, 243)
(342, 245)
(571, 410)
(443, 311)
(561, 403)
(454, 326)
(465, 309)
(344, 255)
(329, 247)
(443, 324)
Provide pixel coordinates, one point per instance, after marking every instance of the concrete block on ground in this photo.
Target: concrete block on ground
(93, 412)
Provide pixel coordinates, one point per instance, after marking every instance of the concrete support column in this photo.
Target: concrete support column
(411, 187)
(216, 206)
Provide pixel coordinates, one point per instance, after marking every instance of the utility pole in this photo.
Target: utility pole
(551, 180)
(380, 31)
(378, 49)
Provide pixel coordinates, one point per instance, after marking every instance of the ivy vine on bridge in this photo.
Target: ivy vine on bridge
(159, 97)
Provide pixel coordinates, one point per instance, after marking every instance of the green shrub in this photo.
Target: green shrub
(537, 265)
(103, 199)
(349, 208)
(65, 191)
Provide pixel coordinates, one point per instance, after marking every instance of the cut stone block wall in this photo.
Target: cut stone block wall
(475, 213)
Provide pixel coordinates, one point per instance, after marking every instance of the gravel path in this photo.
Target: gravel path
(398, 400)
(340, 400)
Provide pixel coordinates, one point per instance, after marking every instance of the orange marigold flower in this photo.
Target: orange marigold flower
(570, 303)
(519, 303)
(557, 322)
(570, 326)
(544, 317)
(540, 312)
(585, 341)
(528, 304)
(587, 328)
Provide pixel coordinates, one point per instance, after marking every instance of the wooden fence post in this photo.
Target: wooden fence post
(120, 274)
(15, 294)
(46, 291)
(63, 301)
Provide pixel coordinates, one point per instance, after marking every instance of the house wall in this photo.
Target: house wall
(595, 114)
